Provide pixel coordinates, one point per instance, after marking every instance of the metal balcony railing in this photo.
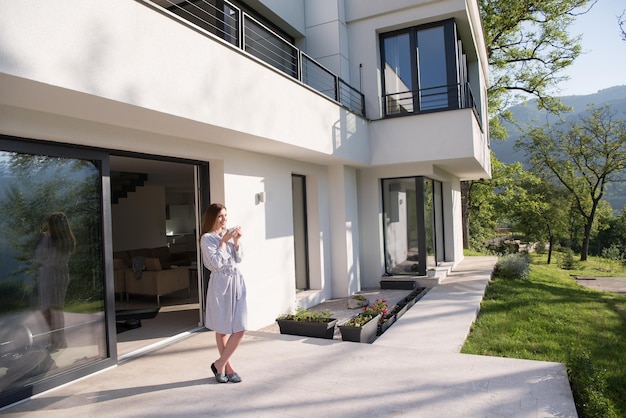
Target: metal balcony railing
(238, 28)
(456, 96)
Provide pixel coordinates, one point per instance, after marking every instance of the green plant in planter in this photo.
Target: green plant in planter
(361, 328)
(307, 315)
(308, 323)
(359, 320)
(380, 306)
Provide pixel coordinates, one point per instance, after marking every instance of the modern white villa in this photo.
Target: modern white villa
(336, 132)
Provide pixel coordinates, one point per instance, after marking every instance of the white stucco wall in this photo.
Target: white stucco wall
(292, 12)
(453, 221)
(236, 176)
(129, 53)
(345, 233)
(327, 36)
(127, 77)
(269, 265)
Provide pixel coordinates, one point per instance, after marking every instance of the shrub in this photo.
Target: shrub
(513, 266)
(567, 260)
(613, 254)
(541, 248)
(497, 246)
(512, 247)
(588, 386)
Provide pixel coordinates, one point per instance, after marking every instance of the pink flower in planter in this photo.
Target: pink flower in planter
(379, 307)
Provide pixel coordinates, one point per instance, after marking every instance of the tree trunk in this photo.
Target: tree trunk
(584, 251)
(551, 242)
(550, 248)
(585, 248)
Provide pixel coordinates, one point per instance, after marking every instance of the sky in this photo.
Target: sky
(603, 61)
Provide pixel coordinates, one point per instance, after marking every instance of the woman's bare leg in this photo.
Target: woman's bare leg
(226, 345)
(221, 340)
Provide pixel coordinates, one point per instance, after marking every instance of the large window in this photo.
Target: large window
(424, 69)
(413, 225)
(52, 310)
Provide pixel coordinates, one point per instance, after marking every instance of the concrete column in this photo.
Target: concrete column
(327, 35)
(453, 221)
(344, 231)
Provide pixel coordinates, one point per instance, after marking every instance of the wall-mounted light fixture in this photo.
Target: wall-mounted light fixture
(259, 197)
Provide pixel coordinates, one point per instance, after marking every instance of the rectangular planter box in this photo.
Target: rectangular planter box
(308, 329)
(402, 311)
(365, 334)
(385, 325)
(398, 284)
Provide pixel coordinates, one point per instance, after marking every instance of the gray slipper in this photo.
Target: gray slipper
(233, 377)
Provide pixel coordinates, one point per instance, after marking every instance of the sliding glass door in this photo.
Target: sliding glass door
(53, 325)
(413, 225)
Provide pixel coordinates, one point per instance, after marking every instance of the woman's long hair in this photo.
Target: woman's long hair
(61, 233)
(209, 218)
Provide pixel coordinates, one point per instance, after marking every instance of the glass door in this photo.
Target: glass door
(401, 226)
(413, 225)
(438, 228)
(53, 326)
(300, 233)
(398, 77)
(432, 68)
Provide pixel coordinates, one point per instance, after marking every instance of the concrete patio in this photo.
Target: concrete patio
(414, 369)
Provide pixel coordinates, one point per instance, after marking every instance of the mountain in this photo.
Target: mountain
(528, 113)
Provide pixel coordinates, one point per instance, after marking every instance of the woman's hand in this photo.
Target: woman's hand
(232, 233)
(236, 234)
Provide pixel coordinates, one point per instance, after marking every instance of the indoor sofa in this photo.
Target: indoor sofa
(152, 272)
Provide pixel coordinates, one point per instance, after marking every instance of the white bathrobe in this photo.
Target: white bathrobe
(226, 309)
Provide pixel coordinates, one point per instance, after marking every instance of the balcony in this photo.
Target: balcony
(237, 28)
(452, 97)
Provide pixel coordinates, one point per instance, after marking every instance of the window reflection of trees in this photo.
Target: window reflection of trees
(31, 188)
(34, 186)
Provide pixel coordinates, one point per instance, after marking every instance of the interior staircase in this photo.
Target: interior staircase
(123, 183)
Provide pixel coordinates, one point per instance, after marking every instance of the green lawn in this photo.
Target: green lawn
(550, 317)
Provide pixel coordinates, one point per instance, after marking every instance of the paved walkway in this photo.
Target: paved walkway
(414, 369)
(606, 284)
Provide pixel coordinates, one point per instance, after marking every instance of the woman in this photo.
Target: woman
(56, 246)
(226, 309)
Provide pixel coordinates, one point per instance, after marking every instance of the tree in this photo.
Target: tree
(613, 235)
(482, 204)
(493, 201)
(621, 21)
(528, 47)
(540, 211)
(583, 156)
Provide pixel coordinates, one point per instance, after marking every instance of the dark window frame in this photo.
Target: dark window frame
(34, 147)
(437, 241)
(450, 40)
